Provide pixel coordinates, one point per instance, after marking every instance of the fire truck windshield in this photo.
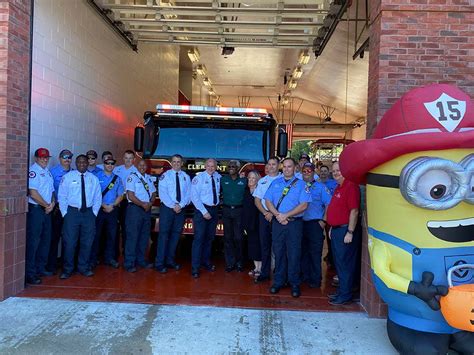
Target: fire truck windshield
(219, 143)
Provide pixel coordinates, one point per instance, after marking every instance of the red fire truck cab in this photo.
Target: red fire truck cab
(200, 132)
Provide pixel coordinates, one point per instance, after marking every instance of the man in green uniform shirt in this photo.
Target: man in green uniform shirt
(233, 188)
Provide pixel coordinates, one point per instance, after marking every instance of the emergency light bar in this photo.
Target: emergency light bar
(210, 109)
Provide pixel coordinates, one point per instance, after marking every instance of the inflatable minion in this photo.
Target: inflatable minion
(419, 172)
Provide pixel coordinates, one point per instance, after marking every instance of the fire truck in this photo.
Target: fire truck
(250, 135)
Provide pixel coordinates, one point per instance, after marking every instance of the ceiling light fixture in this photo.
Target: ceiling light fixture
(194, 55)
(201, 69)
(207, 82)
(304, 57)
(297, 73)
(292, 84)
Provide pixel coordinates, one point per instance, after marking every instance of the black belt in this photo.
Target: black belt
(78, 209)
(292, 219)
(32, 205)
(340, 226)
(208, 206)
(233, 206)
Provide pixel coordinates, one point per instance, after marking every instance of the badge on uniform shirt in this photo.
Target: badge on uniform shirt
(327, 190)
(240, 183)
(31, 174)
(129, 179)
(162, 177)
(263, 182)
(195, 181)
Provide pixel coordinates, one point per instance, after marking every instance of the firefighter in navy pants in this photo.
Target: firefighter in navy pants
(40, 206)
(141, 193)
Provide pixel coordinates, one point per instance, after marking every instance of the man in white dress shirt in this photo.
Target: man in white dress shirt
(80, 198)
(141, 193)
(205, 197)
(38, 227)
(175, 194)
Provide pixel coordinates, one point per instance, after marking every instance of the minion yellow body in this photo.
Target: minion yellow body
(402, 247)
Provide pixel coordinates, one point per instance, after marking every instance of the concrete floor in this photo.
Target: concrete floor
(34, 326)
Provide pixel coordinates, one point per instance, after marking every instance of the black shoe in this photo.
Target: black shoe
(87, 273)
(274, 290)
(195, 274)
(45, 273)
(131, 269)
(339, 302)
(356, 298)
(113, 263)
(229, 268)
(33, 280)
(174, 266)
(333, 296)
(146, 265)
(314, 285)
(261, 278)
(65, 275)
(295, 291)
(210, 267)
(161, 269)
(240, 268)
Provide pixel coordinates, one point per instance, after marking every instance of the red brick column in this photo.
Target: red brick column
(14, 107)
(414, 43)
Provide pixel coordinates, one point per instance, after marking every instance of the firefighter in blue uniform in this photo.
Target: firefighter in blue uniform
(314, 222)
(141, 193)
(79, 199)
(287, 198)
(205, 197)
(58, 171)
(175, 194)
(112, 194)
(92, 161)
(40, 205)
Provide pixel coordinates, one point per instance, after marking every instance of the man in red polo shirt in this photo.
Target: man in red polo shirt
(342, 214)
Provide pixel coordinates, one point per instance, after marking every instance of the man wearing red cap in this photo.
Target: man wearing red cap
(40, 205)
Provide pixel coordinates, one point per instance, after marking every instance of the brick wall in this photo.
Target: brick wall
(414, 43)
(89, 88)
(14, 102)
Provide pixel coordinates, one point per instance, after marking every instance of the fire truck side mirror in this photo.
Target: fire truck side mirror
(138, 139)
(282, 144)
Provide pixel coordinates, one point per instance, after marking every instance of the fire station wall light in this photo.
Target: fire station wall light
(292, 84)
(194, 55)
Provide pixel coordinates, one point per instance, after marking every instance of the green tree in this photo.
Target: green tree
(300, 147)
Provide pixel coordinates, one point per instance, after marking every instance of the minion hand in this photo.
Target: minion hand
(425, 291)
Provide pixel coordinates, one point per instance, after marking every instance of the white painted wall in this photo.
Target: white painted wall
(89, 89)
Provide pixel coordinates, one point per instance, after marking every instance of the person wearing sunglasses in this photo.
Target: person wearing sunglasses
(106, 154)
(58, 171)
(92, 161)
(106, 221)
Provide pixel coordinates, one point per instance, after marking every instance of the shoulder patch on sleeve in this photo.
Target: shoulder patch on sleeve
(31, 174)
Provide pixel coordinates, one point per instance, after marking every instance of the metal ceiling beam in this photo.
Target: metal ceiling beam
(223, 24)
(229, 43)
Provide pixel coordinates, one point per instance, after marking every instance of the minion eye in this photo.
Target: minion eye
(434, 185)
(438, 191)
